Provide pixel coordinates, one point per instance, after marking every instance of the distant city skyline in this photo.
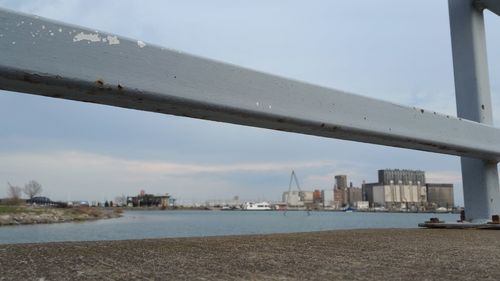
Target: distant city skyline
(389, 50)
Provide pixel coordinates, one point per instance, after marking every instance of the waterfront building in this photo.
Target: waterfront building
(399, 196)
(293, 198)
(440, 195)
(339, 197)
(317, 196)
(399, 189)
(353, 195)
(367, 192)
(341, 181)
(148, 200)
(406, 177)
(340, 191)
(328, 199)
(362, 205)
(299, 198)
(306, 196)
(39, 200)
(345, 195)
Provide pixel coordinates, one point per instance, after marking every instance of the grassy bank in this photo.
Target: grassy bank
(7, 209)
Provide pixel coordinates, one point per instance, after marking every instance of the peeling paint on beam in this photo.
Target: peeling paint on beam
(102, 68)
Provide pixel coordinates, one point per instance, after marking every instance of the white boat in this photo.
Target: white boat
(260, 206)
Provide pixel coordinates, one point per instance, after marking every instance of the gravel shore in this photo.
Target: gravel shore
(394, 254)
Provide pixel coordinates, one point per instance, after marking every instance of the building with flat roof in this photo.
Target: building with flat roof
(293, 199)
(406, 189)
(440, 195)
(148, 200)
(399, 196)
(396, 176)
(328, 199)
(345, 195)
(353, 195)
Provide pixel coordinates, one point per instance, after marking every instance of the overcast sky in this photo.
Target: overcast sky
(392, 50)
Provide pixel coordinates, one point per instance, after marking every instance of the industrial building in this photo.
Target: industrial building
(293, 199)
(317, 196)
(353, 195)
(396, 176)
(345, 195)
(406, 189)
(339, 197)
(399, 196)
(341, 181)
(148, 200)
(307, 197)
(327, 196)
(440, 195)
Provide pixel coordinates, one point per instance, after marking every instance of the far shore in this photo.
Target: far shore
(26, 214)
(286, 210)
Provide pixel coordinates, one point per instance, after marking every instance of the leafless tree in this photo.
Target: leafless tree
(32, 189)
(14, 193)
(121, 200)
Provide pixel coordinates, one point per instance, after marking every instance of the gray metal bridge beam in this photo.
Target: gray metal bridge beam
(44, 57)
(472, 89)
(492, 5)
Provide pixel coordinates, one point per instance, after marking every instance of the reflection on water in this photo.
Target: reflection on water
(158, 224)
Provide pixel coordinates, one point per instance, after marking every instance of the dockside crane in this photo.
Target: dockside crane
(293, 177)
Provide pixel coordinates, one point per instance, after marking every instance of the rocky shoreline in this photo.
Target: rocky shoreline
(44, 215)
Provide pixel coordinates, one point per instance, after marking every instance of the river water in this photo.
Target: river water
(159, 224)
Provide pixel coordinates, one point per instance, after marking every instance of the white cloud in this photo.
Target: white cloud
(79, 159)
(178, 169)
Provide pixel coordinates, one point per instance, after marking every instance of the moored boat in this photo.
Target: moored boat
(260, 206)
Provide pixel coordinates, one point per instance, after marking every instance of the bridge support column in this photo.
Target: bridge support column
(472, 90)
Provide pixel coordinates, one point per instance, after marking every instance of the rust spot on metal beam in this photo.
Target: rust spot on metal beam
(29, 78)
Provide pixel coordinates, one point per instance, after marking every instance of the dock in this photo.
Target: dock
(460, 225)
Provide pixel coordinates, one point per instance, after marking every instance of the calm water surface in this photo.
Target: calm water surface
(158, 224)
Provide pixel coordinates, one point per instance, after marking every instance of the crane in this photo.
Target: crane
(293, 177)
